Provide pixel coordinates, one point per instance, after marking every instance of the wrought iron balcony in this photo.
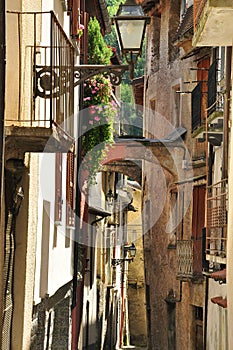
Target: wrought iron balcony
(213, 24)
(215, 103)
(215, 100)
(33, 115)
(189, 259)
(216, 231)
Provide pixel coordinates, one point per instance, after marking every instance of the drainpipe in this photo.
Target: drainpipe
(2, 110)
(206, 311)
(227, 113)
(230, 240)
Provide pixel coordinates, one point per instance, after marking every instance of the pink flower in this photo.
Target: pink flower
(86, 99)
(92, 110)
(90, 122)
(93, 91)
(97, 118)
(81, 26)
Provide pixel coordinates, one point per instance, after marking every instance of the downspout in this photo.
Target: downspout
(77, 292)
(227, 112)
(2, 111)
(9, 257)
(206, 311)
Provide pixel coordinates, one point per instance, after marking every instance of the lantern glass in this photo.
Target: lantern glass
(131, 33)
(132, 251)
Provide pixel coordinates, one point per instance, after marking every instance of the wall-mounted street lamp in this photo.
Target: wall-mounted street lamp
(131, 250)
(109, 197)
(130, 23)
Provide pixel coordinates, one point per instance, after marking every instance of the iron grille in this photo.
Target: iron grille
(185, 258)
(217, 199)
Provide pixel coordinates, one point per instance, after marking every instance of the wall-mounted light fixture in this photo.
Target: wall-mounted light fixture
(130, 23)
(109, 197)
(129, 250)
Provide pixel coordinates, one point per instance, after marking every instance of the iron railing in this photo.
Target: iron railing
(44, 57)
(215, 99)
(216, 236)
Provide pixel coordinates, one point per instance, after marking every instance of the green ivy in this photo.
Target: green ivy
(100, 108)
(98, 51)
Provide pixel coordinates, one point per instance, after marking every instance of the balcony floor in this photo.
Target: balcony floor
(215, 27)
(20, 140)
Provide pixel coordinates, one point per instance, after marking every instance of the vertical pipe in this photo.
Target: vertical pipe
(77, 290)
(206, 311)
(227, 112)
(34, 72)
(230, 240)
(2, 111)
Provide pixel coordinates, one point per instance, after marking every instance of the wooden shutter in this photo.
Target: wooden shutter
(58, 188)
(84, 38)
(198, 222)
(75, 16)
(70, 190)
(202, 76)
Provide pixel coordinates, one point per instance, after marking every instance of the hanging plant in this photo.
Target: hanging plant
(100, 108)
(98, 120)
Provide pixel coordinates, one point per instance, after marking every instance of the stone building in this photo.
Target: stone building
(175, 287)
(188, 243)
(39, 271)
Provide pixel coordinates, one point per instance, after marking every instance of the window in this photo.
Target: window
(173, 219)
(199, 94)
(198, 327)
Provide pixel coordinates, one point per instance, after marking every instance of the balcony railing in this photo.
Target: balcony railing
(215, 97)
(44, 57)
(216, 237)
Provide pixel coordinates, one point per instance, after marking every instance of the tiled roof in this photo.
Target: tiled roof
(186, 25)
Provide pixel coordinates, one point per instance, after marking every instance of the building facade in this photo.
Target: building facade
(186, 246)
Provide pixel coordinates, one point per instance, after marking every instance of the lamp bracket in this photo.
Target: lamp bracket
(116, 262)
(54, 81)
